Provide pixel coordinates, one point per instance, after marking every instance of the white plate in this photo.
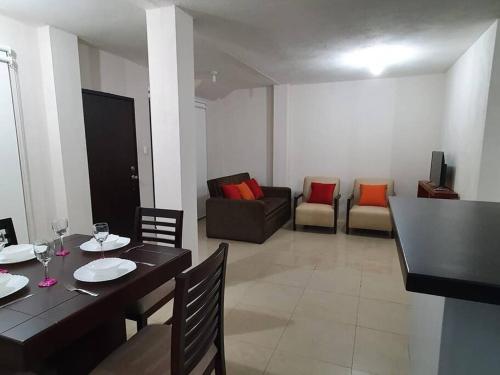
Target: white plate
(85, 274)
(16, 283)
(93, 245)
(16, 254)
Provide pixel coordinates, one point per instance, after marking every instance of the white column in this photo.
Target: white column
(280, 136)
(65, 126)
(171, 76)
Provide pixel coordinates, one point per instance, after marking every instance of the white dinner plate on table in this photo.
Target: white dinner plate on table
(87, 274)
(113, 242)
(16, 253)
(10, 284)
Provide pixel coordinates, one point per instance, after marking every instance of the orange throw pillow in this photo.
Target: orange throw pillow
(255, 187)
(373, 195)
(245, 192)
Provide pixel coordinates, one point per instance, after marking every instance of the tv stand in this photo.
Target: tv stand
(427, 190)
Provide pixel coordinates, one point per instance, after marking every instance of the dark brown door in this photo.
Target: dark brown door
(112, 158)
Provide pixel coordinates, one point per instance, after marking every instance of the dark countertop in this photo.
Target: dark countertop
(449, 248)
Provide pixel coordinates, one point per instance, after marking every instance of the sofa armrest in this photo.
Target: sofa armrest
(277, 192)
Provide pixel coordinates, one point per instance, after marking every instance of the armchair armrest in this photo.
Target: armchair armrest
(296, 199)
(276, 191)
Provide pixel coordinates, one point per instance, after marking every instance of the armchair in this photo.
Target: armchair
(314, 214)
(369, 217)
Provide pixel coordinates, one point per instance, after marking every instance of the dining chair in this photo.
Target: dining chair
(194, 343)
(164, 227)
(7, 227)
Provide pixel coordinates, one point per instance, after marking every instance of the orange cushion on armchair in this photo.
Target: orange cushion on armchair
(373, 195)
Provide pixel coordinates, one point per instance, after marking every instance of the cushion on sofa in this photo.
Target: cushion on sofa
(245, 192)
(255, 187)
(231, 191)
(272, 204)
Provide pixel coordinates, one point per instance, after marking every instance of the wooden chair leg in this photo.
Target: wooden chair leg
(220, 365)
(141, 323)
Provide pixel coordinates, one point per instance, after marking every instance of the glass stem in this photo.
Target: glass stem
(62, 244)
(46, 271)
(102, 251)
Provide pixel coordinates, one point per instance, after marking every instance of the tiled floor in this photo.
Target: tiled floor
(313, 303)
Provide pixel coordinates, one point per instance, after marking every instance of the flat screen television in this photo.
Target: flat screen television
(438, 169)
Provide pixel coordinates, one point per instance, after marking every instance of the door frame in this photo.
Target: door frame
(128, 99)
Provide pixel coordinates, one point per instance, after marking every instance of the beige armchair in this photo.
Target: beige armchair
(369, 217)
(315, 214)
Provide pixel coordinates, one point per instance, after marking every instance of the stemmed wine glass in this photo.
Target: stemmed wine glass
(101, 232)
(60, 226)
(44, 251)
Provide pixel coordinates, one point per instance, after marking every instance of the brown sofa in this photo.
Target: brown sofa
(251, 221)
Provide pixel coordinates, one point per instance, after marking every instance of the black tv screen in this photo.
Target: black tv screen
(438, 169)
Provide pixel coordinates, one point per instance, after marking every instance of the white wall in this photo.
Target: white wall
(239, 134)
(467, 87)
(103, 71)
(371, 128)
(200, 114)
(24, 40)
(64, 115)
(489, 179)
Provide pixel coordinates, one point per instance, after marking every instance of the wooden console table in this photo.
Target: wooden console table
(427, 190)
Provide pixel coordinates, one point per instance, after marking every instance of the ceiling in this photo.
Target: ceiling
(252, 43)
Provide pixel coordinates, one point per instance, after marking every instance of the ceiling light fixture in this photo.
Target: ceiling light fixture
(377, 58)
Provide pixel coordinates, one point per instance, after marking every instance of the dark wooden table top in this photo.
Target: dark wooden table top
(54, 317)
(449, 248)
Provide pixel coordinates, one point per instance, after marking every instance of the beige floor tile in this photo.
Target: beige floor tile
(328, 306)
(380, 353)
(357, 372)
(234, 293)
(246, 359)
(272, 296)
(383, 287)
(256, 325)
(383, 315)
(241, 272)
(338, 280)
(324, 340)
(293, 276)
(290, 364)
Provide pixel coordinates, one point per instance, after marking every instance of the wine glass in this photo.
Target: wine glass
(60, 226)
(101, 232)
(44, 251)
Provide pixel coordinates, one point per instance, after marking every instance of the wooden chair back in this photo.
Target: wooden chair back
(7, 227)
(198, 317)
(158, 225)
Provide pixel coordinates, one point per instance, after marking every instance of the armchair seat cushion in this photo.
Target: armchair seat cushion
(315, 214)
(370, 217)
(272, 204)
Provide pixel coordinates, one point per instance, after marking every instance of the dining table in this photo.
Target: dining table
(57, 331)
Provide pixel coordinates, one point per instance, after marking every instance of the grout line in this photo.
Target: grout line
(283, 332)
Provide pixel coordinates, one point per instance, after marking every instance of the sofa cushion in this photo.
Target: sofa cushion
(272, 204)
(214, 185)
(245, 192)
(370, 217)
(255, 187)
(231, 191)
(316, 214)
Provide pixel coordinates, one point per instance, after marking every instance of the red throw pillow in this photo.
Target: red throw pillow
(231, 191)
(373, 195)
(255, 187)
(321, 193)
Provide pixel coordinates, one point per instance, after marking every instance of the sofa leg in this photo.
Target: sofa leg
(334, 230)
(391, 233)
(294, 226)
